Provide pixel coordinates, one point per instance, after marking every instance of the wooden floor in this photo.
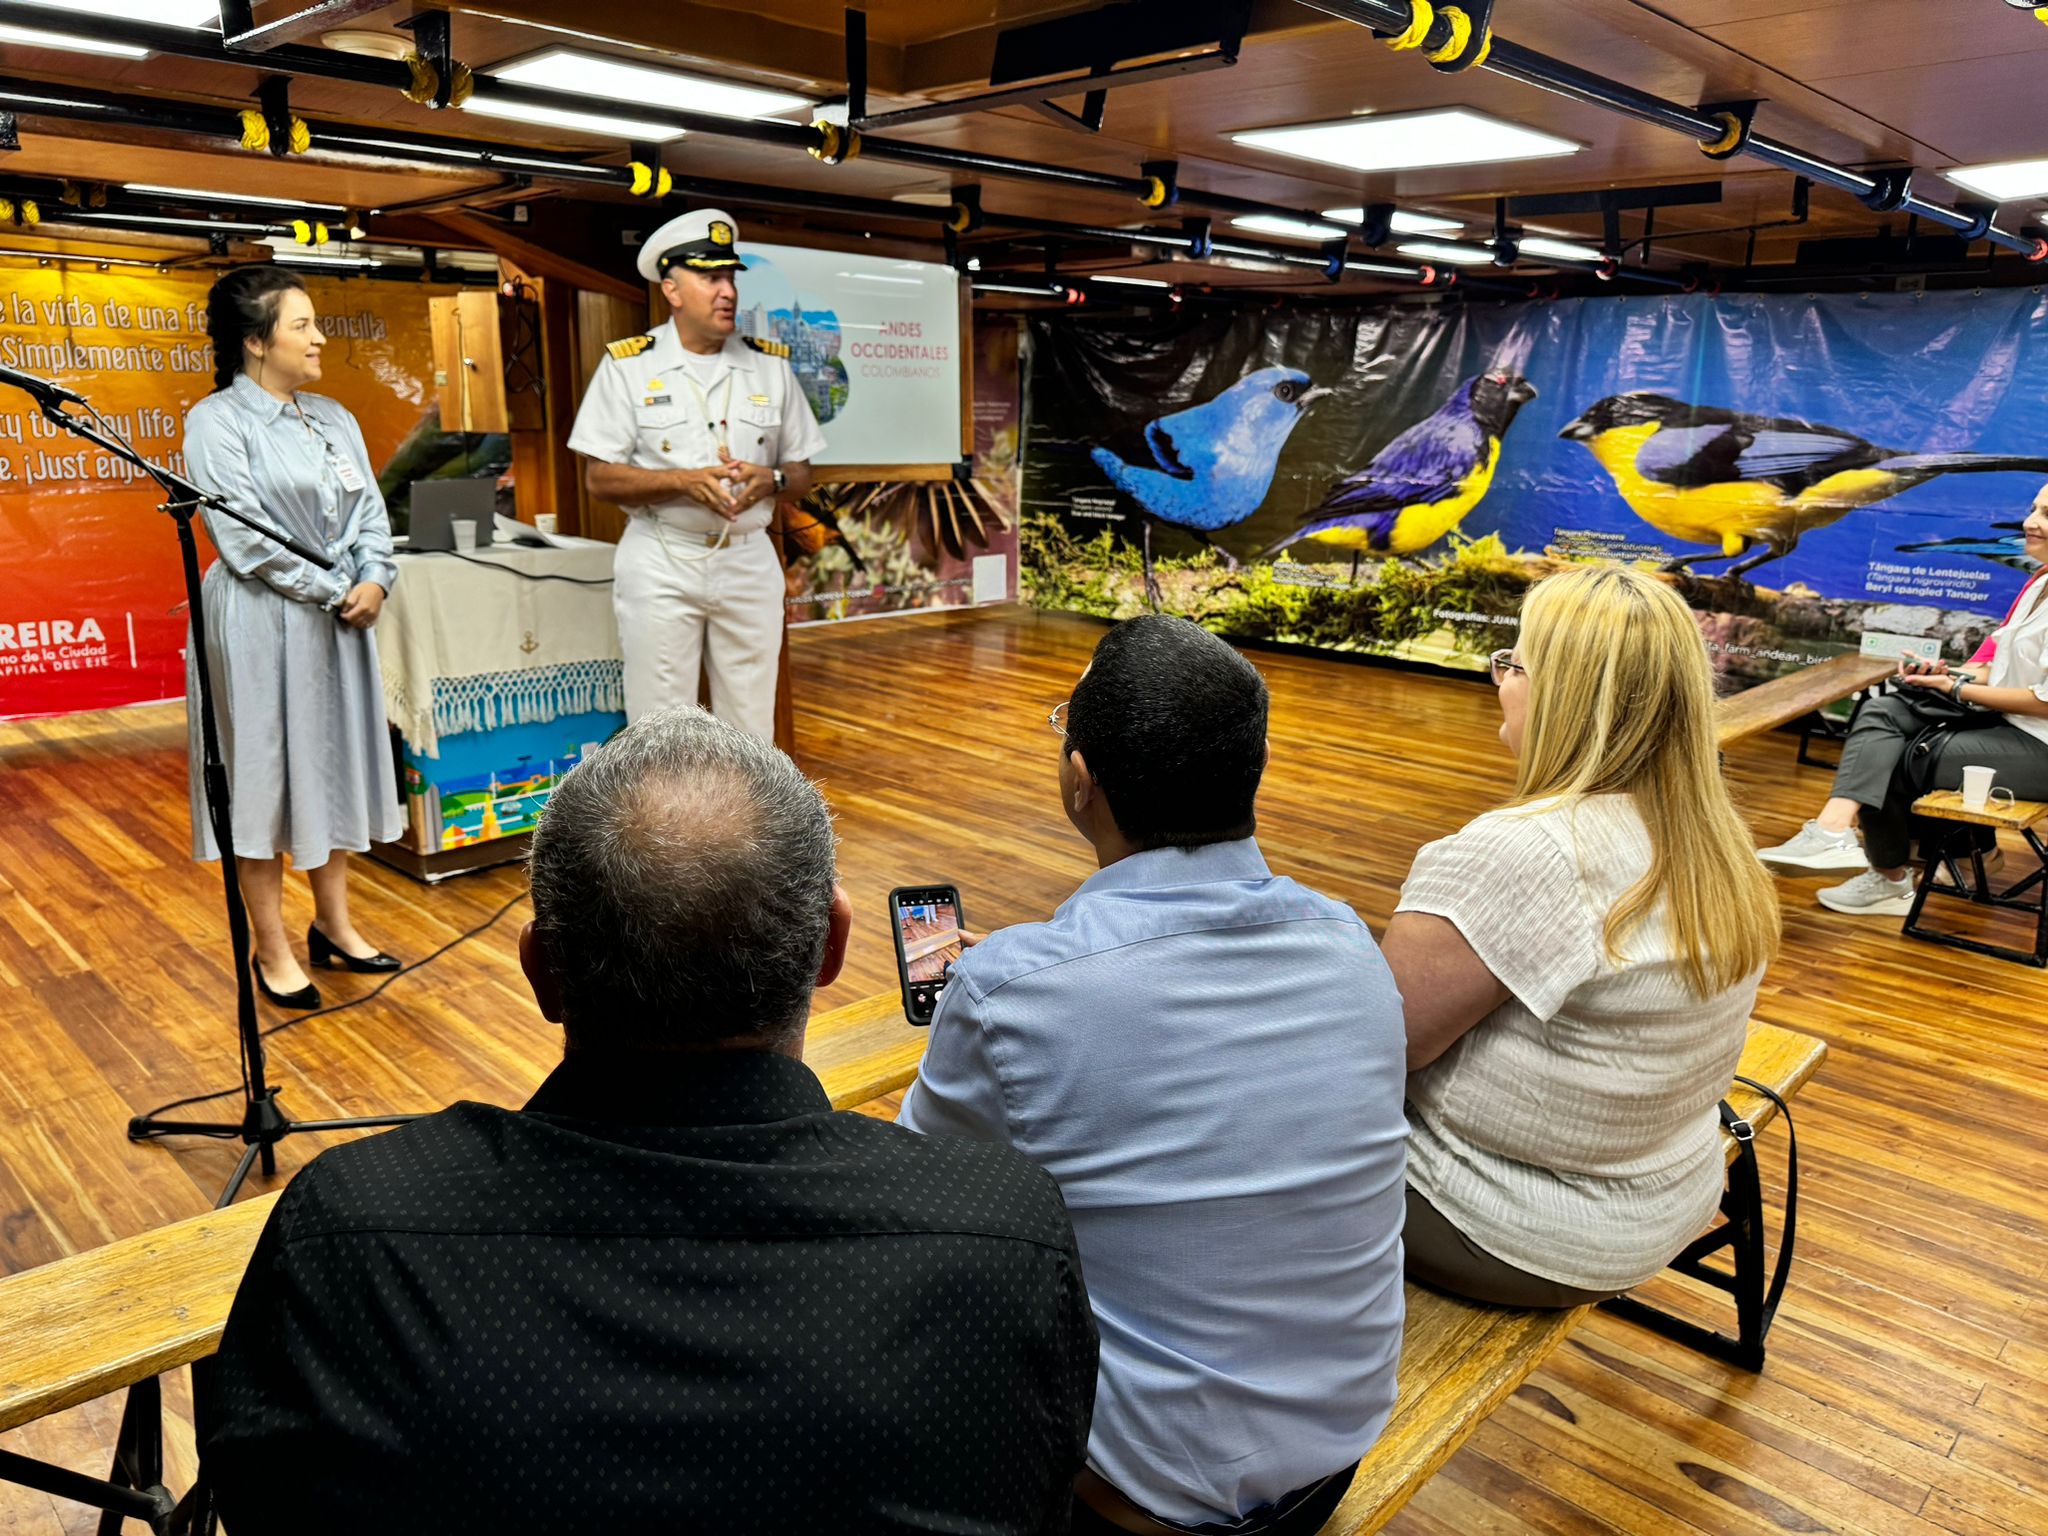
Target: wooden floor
(1907, 1389)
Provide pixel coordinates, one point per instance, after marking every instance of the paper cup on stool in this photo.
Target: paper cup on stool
(1976, 787)
(465, 541)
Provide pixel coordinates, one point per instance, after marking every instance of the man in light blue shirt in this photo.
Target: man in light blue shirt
(1209, 1059)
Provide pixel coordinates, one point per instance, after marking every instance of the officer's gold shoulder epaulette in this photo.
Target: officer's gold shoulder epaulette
(630, 346)
(772, 348)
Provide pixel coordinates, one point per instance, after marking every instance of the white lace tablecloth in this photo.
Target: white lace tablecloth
(469, 644)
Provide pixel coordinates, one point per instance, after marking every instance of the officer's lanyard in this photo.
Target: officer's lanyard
(719, 428)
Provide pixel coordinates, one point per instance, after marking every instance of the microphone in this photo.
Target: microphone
(42, 389)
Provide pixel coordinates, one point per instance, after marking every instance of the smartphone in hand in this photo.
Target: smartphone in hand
(926, 921)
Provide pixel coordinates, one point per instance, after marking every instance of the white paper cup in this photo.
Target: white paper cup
(465, 541)
(1976, 787)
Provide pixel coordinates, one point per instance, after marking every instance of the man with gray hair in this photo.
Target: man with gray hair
(675, 1291)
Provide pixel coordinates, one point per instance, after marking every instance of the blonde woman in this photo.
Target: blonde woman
(1578, 967)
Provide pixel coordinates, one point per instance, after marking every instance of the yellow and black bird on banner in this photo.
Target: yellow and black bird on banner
(1745, 483)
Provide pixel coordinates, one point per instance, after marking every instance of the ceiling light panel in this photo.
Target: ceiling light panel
(1456, 255)
(613, 82)
(1287, 229)
(1409, 140)
(2004, 181)
(1403, 222)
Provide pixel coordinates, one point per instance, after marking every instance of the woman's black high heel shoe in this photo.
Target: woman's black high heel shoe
(307, 996)
(322, 951)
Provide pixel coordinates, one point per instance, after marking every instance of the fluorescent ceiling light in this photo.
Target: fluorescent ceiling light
(1563, 250)
(167, 13)
(2004, 181)
(614, 82)
(579, 122)
(1290, 229)
(228, 197)
(1457, 255)
(307, 259)
(28, 37)
(1403, 222)
(877, 277)
(1406, 140)
(1129, 282)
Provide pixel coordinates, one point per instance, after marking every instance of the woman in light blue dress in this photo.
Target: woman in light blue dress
(294, 662)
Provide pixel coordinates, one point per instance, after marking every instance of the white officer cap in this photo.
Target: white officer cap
(702, 240)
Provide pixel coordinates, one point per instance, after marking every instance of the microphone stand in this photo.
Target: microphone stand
(263, 1124)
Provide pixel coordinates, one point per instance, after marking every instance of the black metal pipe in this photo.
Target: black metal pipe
(1526, 65)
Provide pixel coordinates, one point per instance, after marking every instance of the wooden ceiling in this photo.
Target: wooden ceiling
(1831, 75)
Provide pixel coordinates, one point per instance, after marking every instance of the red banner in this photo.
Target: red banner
(94, 612)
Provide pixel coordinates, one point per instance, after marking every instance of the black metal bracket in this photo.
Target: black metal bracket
(1167, 174)
(1378, 226)
(1201, 234)
(10, 132)
(1333, 251)
(1480, 14)
(965, 216)
(1941, 853)
(857, 67)
(433, 36)
(1740, 118)
(133, 1488)
(1894, 186)
(274, 95)
(1755, 1291)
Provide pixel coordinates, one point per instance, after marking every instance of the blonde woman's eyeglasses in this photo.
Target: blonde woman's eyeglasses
(1501, 663)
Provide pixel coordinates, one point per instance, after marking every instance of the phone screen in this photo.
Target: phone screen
(927, 943)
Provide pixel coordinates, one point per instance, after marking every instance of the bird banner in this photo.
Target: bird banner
(1815, 474)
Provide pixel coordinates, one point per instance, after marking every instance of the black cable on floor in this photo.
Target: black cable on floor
(291, 1023)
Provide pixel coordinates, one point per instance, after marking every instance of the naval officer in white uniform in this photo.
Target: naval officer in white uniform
(697, 432)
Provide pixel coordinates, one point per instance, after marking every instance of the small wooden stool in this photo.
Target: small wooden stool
(2030, 894)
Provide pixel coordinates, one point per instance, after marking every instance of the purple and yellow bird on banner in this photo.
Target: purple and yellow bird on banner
(1423, 483)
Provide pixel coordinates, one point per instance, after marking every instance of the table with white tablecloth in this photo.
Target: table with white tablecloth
(501, 668)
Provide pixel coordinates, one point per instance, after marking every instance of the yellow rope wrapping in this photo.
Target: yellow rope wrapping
(960, 218)
(255, 131)
(425, 79)
(1485, 47)
(30, 213)
(1155, 192)
(319, 234)
(1421, 17)
(1728, 140)
(301, 138)
(852, 144)
(302, 232)
(6, 211)
(643, 178)
(72, 197)
(663, 183)
(465, 83)
(1461, 34)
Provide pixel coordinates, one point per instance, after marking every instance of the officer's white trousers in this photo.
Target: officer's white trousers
(681, 605)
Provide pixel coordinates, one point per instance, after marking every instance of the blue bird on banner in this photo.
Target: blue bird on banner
(2009, 551)
(1708, 476)
(1214, 462)
(1420, 486)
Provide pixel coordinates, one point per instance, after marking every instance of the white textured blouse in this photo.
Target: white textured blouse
(2021, 660)
(1573, 1130)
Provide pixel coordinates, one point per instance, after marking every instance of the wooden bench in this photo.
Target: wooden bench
(118, 1316)
(2029, 894)
(1797, 696)
(1460, 1360)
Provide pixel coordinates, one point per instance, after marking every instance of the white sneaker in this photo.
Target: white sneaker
(1870, 895)
(1816, 850)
